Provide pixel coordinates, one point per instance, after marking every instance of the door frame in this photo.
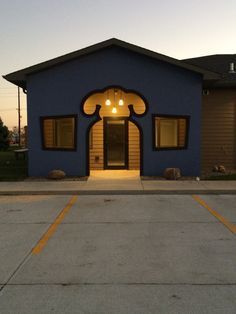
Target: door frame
(126, 165)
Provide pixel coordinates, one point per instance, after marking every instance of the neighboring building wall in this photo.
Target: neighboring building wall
(219, 129)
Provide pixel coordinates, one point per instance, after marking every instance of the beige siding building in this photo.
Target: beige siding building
(218, 132)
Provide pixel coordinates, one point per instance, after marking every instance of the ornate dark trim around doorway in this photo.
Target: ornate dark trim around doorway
(97, 117)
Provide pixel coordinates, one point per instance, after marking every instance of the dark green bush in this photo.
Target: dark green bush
(4, 136)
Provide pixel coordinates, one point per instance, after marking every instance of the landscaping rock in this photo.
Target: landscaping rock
(221, 169)
(172, 173)
(56, 174)
(215, 168)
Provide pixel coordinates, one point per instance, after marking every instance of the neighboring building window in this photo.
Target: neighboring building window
(171, 132)
(59, 132)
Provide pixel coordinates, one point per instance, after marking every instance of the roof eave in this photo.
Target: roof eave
(219, 84)
(19, 77)
(17, 82)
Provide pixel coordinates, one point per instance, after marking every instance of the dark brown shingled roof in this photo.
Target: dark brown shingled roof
(219, 64)
(19, 77)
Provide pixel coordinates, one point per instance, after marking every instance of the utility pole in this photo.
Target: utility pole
(19, 116)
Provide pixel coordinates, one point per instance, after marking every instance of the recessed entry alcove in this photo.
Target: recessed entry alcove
(114, 140)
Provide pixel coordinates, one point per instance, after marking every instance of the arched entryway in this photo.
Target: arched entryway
(114, 144)
(115, 140)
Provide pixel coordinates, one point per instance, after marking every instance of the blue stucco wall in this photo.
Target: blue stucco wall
(60, 90)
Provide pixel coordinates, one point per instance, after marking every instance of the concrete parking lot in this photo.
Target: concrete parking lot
(118, 254)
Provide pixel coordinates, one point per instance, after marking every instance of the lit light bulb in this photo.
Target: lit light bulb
(114, 110)
(121, 102)
(108, 102)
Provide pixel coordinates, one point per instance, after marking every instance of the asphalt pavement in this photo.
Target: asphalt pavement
(117, 254)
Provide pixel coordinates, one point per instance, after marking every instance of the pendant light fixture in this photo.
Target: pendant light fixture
(121, 101)
(108, 102)
(114, 110)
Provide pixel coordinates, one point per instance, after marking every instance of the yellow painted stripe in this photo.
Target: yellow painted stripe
(47, 235)
(224, 221)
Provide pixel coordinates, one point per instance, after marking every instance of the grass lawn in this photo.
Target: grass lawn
(10, 168)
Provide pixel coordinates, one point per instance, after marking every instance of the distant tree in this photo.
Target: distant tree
(4, 133)
(14, 135)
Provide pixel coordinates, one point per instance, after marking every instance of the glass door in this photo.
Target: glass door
(115, 143)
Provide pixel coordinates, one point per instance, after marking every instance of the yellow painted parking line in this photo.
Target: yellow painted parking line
(224, 221)
(47, 235)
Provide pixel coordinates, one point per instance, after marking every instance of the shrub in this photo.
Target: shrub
(4, 136)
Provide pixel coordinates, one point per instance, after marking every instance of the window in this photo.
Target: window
(58, 133)
(170, 132)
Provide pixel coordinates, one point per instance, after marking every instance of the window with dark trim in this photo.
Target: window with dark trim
(170, 132)
(59, 132)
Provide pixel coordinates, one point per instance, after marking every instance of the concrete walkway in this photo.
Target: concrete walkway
(125, 180)
(117, 182)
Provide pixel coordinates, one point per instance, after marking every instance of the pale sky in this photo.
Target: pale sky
(34, 31)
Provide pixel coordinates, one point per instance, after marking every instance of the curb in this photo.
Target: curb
(119, 192)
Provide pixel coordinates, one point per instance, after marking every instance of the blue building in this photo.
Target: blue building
(114, 105)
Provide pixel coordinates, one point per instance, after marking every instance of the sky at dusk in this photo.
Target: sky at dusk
(34, 31)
